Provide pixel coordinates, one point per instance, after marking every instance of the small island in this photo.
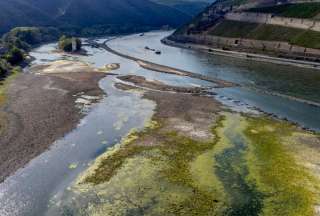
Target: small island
(70, 44)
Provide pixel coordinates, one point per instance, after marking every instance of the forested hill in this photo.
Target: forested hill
(88, 13)
(190, 7)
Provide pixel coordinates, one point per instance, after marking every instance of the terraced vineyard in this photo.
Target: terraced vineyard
(303, 10)
(237, 29)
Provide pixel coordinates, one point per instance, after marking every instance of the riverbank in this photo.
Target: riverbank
(243, 55)
(142, 82)
(193, 158)
(41, 108)
(165, 69)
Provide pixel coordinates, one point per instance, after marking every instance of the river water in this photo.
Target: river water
(287, 80)
(29, 190)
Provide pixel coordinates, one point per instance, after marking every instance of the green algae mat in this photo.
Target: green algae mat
(251, 166)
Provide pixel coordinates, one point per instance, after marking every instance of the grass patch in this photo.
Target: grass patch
(229, 28)
(4, 84)
(302, 10)
(307, 39)
(237, 29)
(273, 33)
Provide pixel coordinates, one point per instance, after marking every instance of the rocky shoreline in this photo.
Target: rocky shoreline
(243, 55)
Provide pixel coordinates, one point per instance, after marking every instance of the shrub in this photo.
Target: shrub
(4, 68)
(65, 43)
(14, 56)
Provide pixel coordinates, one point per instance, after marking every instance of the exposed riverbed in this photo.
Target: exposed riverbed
(188, 154)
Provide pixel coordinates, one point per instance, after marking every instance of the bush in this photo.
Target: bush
(14, 56)
(4, 68)
(65, 43)
(26, 37)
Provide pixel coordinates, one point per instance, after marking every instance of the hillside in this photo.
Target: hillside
(280, 28)
(85, 13)
(190, 7)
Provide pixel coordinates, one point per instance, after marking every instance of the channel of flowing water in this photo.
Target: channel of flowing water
(287, 80)
(29, 191)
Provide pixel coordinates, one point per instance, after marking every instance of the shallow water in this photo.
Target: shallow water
(290, 80)
(287, 80)
(29, 190)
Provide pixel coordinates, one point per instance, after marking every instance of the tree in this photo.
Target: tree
(14, 56)
(67, 44)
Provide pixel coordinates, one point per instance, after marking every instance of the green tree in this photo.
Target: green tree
(14, 56)
(65, 43)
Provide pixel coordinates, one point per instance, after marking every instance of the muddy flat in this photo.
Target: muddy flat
(141, 81)
(39, 109)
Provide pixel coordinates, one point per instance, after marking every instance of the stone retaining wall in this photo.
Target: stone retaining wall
(274, 20)
(278, 48)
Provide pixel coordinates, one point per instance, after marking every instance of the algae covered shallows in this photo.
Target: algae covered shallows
(248, 168)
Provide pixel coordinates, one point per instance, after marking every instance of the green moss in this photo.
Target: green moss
(245, 170)
(114, 161)
(160, 178)
(287, 186)
(231, 170)
(181, 152)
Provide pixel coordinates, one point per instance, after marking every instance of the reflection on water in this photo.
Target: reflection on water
(289, 80)
(29, 190)
(305, 115)
(298, 82)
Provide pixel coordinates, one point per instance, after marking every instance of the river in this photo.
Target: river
(31, 189)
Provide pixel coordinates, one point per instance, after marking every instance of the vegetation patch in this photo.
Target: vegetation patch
(307, 39)
(26, 37)
(288, 188)
(3, 96)
(247, 169)
(69, 44)
(301, 10)
(238, 29)
(159, 178)
(4, 84)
